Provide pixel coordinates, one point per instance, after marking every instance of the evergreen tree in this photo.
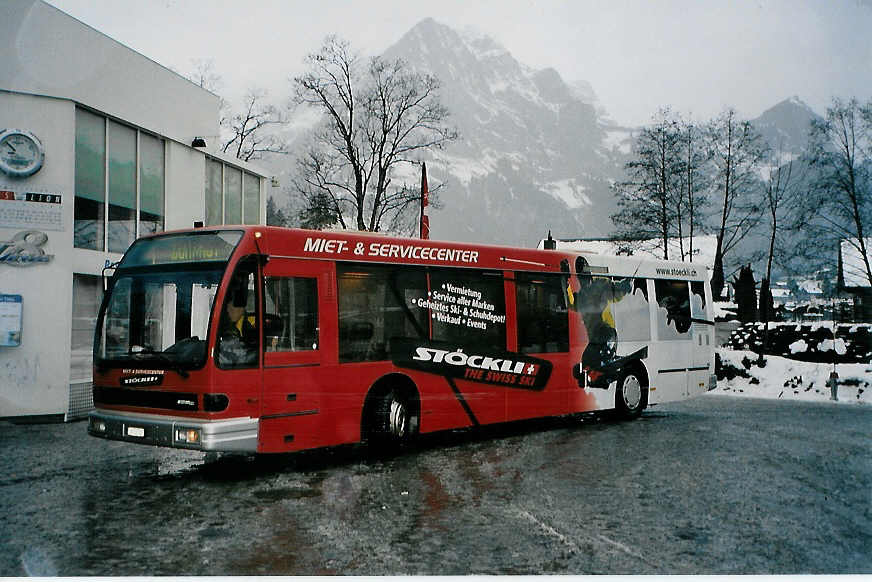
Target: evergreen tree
(274, 214)
(319, 212)
(767, 303)
(746, 294)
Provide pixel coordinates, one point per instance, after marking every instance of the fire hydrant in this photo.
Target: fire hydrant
(834, 385)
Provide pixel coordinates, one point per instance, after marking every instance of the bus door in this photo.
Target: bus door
(703, 330)
(542, 332)
(674, 345)
(297, 298)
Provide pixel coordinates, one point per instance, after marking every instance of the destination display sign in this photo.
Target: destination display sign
(182, 248)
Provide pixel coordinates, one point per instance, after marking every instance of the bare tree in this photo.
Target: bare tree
(249, 130)
(694, 183)
(379, 116)
(785, 214)
(736, 152)
(840, 151)
(248, 133)
(203, 73)
(650, 200)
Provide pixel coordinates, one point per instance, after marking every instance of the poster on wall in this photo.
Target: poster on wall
(30, 209)
(10, 320)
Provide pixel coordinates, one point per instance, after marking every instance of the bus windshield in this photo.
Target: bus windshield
(157, 312)
(158, 318)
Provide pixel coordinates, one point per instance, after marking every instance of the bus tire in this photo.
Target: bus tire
(392, 423)
(630, 397)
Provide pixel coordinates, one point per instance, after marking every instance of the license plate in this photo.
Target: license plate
(135, 431)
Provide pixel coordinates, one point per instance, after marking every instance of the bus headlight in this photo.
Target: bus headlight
(189, 436)
(98, 425)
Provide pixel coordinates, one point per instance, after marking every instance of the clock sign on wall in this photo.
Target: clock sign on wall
(21, 153)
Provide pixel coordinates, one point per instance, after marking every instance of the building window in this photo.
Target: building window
(122, 167)
(122, 187)
(87, 294)
(251, 199)
(90, 180)
(214, 192)
(151, 184)
(232, 196)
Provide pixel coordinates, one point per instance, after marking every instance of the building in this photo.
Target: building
(852, 278)
(97, 147)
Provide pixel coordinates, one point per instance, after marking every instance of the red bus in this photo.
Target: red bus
(267, 340)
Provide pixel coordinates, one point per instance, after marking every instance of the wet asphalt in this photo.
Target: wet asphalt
(715, 485)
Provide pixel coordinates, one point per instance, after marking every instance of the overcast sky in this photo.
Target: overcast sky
(695, 56)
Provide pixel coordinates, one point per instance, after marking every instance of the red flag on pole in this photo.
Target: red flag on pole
(425, 200)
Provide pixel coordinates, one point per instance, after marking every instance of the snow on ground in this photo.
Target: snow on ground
(794, 380)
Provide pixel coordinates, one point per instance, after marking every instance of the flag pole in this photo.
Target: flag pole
(425, 220)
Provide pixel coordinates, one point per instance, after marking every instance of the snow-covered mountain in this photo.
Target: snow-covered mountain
(785, 126)
(535, 152)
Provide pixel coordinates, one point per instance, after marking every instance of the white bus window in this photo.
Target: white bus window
(673, 314)
(631, 309)
(697, 300)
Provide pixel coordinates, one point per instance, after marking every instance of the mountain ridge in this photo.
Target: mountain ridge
(536, 153)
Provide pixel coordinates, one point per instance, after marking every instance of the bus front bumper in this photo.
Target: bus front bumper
(232, 435)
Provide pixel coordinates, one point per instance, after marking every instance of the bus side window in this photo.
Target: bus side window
(376, 305)
(473, 307)
(290, 314)
(673, 300)
(543, 320)
(697, 300)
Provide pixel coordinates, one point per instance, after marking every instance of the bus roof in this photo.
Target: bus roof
(379, 248)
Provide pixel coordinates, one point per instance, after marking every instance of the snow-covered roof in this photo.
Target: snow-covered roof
(853, 268)
(811, 287)
(703, 248)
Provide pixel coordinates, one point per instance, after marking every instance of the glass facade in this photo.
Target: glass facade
(119, 168)
(122, 186)
(232, 196)
(251, 199)
(151, 184)
(214, 192)
(90, 180)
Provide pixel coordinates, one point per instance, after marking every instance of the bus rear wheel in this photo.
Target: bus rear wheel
(629, 395)
(392, 421)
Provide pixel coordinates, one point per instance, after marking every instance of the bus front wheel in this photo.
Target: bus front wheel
(629, 396)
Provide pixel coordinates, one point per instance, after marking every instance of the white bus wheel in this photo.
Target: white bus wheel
(629, 395)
